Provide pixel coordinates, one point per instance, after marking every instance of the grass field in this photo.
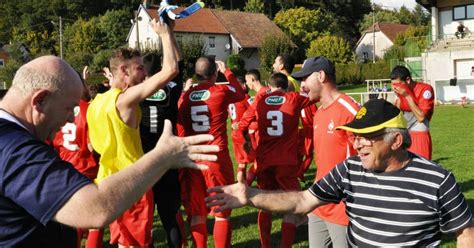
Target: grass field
(452, 135)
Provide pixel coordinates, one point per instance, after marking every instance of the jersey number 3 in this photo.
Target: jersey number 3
(276, 129)
(200, 118)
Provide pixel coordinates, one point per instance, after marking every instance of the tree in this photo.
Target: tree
(271, 47)
(304, 25)
(414, 40)
(417, 17)
(192, 49)
(7, 72)
(113, 24)
(84, 36)
(334, 48)
(381, 16)
(254, 6)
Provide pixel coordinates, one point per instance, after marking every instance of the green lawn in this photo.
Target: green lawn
(452, 148)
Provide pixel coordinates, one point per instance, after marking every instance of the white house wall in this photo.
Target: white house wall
(442, 65)
(150, 40)
(448, 26)
(366, 45)
(219, 51)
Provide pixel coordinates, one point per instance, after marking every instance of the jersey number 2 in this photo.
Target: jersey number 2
(69, 136)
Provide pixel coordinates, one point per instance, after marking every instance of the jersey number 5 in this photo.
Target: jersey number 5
(200, 118)
(276, 129)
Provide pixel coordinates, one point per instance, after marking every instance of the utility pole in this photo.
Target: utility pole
(137, 42)
(60, 37)
(373, 34)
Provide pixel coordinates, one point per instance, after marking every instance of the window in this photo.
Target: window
(2, 62)
(470, 11)
(463, 12)
(212, 42)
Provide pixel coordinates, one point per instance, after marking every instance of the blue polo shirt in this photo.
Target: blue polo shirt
(34, 185)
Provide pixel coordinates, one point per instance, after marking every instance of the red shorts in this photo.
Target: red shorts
(194, 184)
(421, 144)
(283, 177)
(241, 156)
(134, 226)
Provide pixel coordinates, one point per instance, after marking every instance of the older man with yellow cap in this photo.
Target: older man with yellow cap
(394, 197)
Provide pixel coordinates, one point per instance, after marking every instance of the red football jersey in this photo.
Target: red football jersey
(423, 94)
(277, 114)
(237, 110)
(203, 109)
(72, 143)
(331, 147)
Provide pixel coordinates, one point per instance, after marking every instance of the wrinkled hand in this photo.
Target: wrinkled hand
(183, 150)
(229, 196)
(221, 66)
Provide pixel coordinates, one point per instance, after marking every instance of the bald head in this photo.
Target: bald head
(46, 72)
(205, 68)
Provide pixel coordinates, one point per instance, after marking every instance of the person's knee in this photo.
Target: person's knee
(198, 219)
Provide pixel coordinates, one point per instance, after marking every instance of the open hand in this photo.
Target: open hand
(229, 196)
(185, 150)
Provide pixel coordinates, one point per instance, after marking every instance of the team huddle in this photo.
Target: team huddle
(153, 139)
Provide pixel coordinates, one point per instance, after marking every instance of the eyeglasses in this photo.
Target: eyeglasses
(365, 140)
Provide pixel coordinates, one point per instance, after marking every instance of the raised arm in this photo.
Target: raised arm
(240, 194)
(94, 206)
(136, 94)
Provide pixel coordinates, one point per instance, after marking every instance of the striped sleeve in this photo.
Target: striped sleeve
(454, 211)
(330, 188)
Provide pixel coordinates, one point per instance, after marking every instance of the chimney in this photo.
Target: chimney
(145, 4)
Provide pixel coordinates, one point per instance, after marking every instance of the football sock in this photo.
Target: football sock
(265, 227)
(80, 232)
(179, 219)
(94, 239)
(288, 232)
(222, 233)
(199, 233)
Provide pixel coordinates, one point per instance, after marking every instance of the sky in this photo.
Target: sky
(390, 4)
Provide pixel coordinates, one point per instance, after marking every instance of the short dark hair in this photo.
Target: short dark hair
(400, 72)
(255, 73)
(288, 62)
(205, 67)
(278, 80)
(121, 55)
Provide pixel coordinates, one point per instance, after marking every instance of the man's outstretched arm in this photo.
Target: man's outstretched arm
(239, 194)
(94, 206)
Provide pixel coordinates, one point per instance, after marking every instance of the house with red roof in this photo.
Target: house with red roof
(375, 41)
(221, 32)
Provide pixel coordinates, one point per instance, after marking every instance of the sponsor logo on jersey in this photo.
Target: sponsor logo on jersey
(77, 109)
(200, 95)
(331, 127)
(275, 100)
(427, 95)
(231, 88)
(251, 99)
(158, 96)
